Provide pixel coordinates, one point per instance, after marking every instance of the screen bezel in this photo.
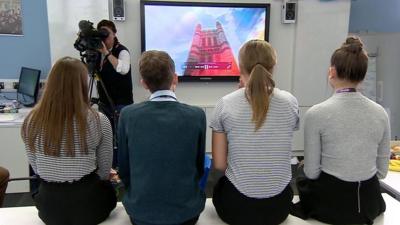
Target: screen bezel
(143, 3)
(34, 96)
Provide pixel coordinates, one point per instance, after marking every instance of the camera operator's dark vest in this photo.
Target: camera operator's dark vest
(118, 86)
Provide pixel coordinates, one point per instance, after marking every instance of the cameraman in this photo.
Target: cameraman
(115, 72)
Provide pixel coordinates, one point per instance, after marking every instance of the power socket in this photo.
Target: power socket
(1, 85)
(15, 85)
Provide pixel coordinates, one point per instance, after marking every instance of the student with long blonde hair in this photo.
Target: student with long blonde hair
(252, 135)
(69, 146)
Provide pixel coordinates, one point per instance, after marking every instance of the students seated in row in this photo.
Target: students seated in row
(161, 150)
(70, 147)
(346, 147)
(252, 135)
(162, 147)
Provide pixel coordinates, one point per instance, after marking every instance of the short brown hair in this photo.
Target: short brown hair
(351, 60)
(157, 69)
(107, 23)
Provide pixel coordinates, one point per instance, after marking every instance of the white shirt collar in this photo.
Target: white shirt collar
(163, 95)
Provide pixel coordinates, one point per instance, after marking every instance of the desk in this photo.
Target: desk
(12, 151)
(392, 183)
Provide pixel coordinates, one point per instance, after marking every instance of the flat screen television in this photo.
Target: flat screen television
(202, 38)
(28, 86)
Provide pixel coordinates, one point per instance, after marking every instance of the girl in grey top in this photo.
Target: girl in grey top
(348, 137)
(252, 134)
(346, 147)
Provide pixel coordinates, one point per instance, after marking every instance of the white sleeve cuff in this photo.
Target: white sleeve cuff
(124, 62)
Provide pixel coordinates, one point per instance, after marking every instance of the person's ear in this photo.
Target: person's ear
(241, 82)
(174, 82)
(143, 83)
(332, 73)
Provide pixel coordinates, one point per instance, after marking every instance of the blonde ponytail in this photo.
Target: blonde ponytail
(257, 59)
(259, 89)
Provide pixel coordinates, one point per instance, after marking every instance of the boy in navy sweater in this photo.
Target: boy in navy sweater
(161, 150)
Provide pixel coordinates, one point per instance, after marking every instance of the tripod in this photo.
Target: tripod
(93, 65)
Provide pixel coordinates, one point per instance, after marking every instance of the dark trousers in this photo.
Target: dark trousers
(4, 176)
(192, 221)
(237, 209)
(331, 200)
(113, 118)
(88, 201)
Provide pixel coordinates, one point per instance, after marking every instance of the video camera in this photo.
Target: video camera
(88, 42)
(89, 38)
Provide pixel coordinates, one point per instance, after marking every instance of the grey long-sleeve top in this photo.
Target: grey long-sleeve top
(347, 136)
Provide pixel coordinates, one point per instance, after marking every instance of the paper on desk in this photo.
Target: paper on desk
(7, 118)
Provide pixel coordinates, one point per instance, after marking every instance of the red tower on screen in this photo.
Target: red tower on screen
(210, 54)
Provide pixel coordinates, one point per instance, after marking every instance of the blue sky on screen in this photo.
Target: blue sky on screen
(171, 28)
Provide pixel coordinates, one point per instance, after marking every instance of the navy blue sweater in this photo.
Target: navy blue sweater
(161, 160)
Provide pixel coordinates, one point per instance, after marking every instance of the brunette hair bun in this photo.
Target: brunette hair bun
(351, 60)
(353, 45)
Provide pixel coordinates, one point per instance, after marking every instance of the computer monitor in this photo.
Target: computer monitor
(28, 86)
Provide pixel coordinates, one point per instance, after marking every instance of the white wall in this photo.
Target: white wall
(321, 28)
(63, 18)
(387, 48)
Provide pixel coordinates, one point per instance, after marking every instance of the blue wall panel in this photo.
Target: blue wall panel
(375, 16)
(30, 50)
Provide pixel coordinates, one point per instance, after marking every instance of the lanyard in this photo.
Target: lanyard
(346, 90)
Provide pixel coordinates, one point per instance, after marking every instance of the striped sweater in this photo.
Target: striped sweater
(258, 161)
(65, 168)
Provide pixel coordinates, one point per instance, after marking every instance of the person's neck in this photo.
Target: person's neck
(344, 84)
(162, 90)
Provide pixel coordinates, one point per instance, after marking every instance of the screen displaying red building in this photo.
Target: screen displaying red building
(203, 38)
(210, 54)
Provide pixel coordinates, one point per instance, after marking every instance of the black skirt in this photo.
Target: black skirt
(331, 200)
(235, 208)
(88, 201)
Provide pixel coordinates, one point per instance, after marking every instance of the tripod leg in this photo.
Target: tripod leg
(91, 89)
(113, 114)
